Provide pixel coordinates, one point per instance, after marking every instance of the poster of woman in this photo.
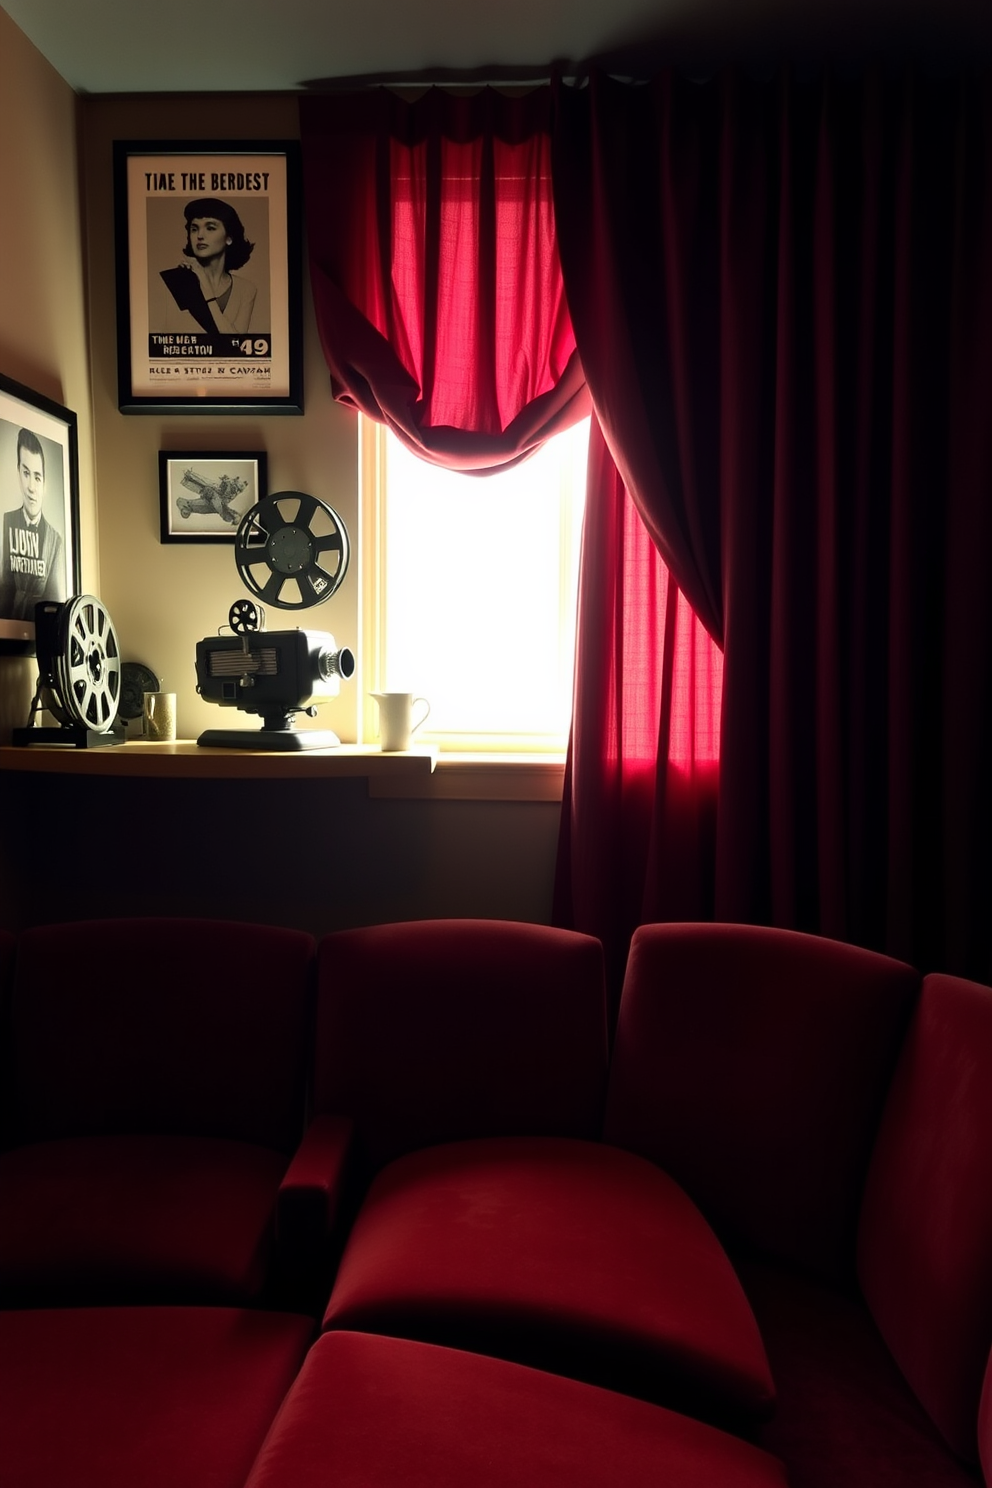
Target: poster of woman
(205, 293)
(208, 277)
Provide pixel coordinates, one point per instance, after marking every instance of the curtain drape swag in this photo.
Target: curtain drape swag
(435, 272)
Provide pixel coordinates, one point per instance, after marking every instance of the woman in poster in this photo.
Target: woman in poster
(206, 291)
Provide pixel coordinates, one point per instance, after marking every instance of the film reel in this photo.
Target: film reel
(245, 617)
(82, 682)
(291, 550)
(136, 680)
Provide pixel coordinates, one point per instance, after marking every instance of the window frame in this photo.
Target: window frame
(524, 749)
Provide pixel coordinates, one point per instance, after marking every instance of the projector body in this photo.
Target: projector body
(274, 674)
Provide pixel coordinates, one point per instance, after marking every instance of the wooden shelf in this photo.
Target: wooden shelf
(415, 774)
(186, 760)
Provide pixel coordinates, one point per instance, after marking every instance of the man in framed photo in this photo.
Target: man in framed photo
(32, 567)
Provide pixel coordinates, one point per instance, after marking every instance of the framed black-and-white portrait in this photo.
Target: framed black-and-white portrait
(39, 510)
(208, 248)
(203, 496)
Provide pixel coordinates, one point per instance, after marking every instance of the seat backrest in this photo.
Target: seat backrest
(752, 1064)
(925, 1240)
(436, 1030)
(178, 1026)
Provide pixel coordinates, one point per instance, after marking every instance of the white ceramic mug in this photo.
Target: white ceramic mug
(396, 725)
(158, 721)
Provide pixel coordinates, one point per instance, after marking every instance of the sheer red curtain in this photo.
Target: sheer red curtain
(643, 765)
(780, 295)
(435, 271)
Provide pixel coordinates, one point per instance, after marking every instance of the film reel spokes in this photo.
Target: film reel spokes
(292, 550)
(88, 667)
(79, 674)
(245, 617)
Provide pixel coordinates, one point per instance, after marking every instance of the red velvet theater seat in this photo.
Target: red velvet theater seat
(437, 1030)
(925, 1242)
(471, 1056)
(844, 1415)
(156, 1397)
(755, 1065)
(157, 1080)
(369, 1412)
(752, 1064)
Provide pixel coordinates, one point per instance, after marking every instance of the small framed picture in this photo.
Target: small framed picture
(208, 249)
(39, 502)
(204, 496)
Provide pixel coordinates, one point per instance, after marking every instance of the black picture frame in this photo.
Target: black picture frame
(179, 351)
(203, 494)
(39, 552)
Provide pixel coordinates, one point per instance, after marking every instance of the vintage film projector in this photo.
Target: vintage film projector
(291, 551)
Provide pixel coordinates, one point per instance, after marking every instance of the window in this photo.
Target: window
(469, 591)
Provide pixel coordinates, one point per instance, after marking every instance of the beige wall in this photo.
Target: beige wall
(42, 302)
(320, 858)
(164, 598)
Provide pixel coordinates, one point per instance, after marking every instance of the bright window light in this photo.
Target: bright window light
(475, 584)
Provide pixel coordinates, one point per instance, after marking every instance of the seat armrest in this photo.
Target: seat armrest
(310, 1193)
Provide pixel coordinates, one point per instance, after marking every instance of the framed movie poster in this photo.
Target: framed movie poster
(39, 510)
(208, 277)
(204, 495)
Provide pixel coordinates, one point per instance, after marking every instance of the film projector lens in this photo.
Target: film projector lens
(335, 664)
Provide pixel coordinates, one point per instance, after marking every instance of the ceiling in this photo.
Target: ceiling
(204, 46)
(113, 46)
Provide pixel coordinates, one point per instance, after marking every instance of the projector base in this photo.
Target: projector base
(284, 740)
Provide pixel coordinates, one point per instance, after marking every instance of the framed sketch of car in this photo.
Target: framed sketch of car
(204, 495)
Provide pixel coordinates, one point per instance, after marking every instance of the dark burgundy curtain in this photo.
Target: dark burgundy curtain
(780, 295)
(435, 270)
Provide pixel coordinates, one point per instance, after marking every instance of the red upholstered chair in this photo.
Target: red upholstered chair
(119, 1397)
(400, 1414)
(471, 1056)
(925, 1241)
(752, 1064)
(158, 1072)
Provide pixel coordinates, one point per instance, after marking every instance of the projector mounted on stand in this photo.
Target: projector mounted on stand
(291, 551)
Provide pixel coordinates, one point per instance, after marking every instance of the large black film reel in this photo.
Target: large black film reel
(292, 550)
(85, 669)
